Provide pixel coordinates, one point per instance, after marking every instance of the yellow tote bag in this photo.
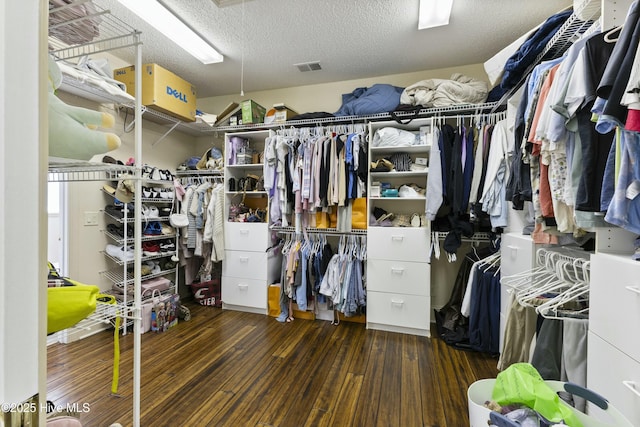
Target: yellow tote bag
(359, 213)
(67, 305)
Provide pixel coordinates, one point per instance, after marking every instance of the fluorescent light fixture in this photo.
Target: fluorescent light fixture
(434, 13)
(163, 20)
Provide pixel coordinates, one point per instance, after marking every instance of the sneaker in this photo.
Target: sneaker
(120, 252)
(167, 248)
(153, 228)
(154, 266)
(147, 193)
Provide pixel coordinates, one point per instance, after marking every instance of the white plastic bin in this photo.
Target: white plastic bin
(480, 391)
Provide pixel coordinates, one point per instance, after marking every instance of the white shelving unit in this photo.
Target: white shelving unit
(245, 274)
(113, 35)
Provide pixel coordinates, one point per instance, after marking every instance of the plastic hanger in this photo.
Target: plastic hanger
(612, 35)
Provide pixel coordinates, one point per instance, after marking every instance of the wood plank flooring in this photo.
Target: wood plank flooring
(226, 368)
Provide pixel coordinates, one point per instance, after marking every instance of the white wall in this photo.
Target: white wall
(23, 219)
(327, 97)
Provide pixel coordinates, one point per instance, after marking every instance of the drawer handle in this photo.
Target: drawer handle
(397, 238)
(244, 231)
(243, 286)
(634, 289)
(397, 302)
(631, 386)
(244, 259)
(397, 270)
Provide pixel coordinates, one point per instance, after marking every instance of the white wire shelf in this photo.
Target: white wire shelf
(426, 112)
(65, 170)
(120, 240)
(398, 199)
(117, 276)
(402, 149)
(142, 259)
(70, 38)
(403, 174)
(311, 230)
(198, 173)
(477, 236)
(568, 34)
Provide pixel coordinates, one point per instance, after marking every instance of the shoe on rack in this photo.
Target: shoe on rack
(120, 252)
(167, 248)
(154, 212)
(147, 171)
(154, 266)
(147, 192)
(116, 230)
(150, 249)
(114, 211)
(153, 228)
(155, 174)
(145, 270)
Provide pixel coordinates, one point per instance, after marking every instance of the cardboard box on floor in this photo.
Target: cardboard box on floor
(161, 90)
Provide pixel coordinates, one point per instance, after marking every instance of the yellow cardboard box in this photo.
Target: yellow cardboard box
(161, 90)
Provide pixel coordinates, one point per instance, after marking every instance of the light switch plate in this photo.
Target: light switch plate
(91, 218)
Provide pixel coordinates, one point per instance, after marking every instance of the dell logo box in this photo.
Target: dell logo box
(161, 90)
(176, 94)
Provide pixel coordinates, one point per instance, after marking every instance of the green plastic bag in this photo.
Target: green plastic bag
(522, 384)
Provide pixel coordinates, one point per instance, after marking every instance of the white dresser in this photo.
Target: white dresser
(244, 270)
(398, 280)
(613, 357)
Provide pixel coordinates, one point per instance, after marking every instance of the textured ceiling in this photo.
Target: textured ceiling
(352, 39)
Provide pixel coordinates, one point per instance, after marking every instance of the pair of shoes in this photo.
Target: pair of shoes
(153, 228)
(154, 266)
(167, 247)
(150, 212)
(160, 175)
(151, 249)
(120, 252)
(167, 230)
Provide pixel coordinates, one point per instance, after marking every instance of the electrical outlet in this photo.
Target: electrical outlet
(91, 218)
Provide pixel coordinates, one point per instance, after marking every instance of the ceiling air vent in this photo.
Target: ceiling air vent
(309, 66)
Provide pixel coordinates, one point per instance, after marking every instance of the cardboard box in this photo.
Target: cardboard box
(252, 112)
(161, 90)
(283, 113)
(279, 114)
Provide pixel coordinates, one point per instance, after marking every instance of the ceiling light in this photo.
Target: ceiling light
(434, 13)
(163, 20)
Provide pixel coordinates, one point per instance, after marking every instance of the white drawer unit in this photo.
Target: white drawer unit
(404, 277)
(398, 313)
(244, 294)
(615, 376)
(614, 301)
(246, 236)
(399, 280)
(398, 243)
(246, 264)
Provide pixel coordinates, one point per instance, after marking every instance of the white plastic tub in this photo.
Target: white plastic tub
(480, 391)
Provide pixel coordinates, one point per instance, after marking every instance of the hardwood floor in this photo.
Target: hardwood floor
(226, 368)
